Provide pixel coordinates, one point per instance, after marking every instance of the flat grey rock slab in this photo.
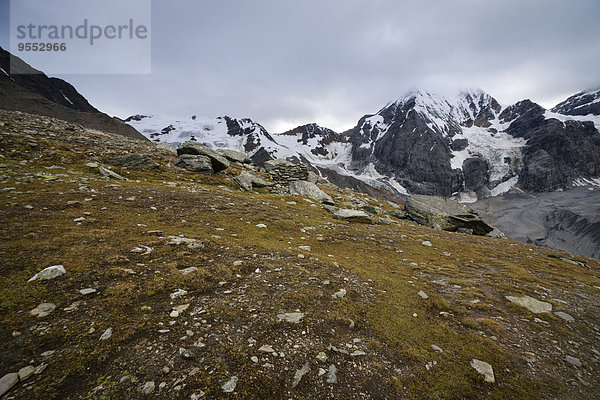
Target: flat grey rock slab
(347, 214)
(7, 382)
(533, 305)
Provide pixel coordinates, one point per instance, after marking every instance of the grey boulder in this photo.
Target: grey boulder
(247, 181)
(234, 156)
(347, 214)
(310, 190)
(195, 163)
(440, 213)
(219, 163)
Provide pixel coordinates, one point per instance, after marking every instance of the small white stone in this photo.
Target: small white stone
(178, 293)
(266, 348)
(484, 369)
(229, 386)
(49, 273)
(107, 334)
(437, 349)
(148, 387)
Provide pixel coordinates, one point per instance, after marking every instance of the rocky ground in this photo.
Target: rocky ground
(180, 285)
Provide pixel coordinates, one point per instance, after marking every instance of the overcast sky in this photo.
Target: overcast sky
(288, 62)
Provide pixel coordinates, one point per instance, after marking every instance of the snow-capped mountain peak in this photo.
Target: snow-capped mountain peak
(583, 103)
(220, 132)
(465, 144)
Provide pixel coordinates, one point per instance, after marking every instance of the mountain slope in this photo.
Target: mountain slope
(222, 132)
(470, 144)
(310, 142)
(31, 91)
(467, 145)
(436, 145)
(240, 314)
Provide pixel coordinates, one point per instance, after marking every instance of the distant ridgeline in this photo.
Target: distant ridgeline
(468, 146)
(23, 88)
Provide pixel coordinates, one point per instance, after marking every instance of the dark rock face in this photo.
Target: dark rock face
(324, 136)
(137, 117)
(404, 139)
(583, 103)
(524, 116)
(420, 161)
(440, 213)
(558, 153)
(413, 140)
(459, 144)
(31, 91)
(247, 128)
(261, 157)
(476, 174)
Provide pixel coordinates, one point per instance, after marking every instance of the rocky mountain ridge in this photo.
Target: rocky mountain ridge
(467, 145)
(24, 88)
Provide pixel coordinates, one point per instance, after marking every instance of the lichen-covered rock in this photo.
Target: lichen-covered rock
(484, 369)
(234, 156)
(219, 163)
(347, 214)
(195, 163)
(310, 190)
(533, 305)
(247, 181)
(440, 213)
(49, 273)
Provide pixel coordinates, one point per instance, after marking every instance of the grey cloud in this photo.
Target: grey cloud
(288, 62)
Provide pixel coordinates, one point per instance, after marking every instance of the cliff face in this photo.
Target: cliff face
(443, 146)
